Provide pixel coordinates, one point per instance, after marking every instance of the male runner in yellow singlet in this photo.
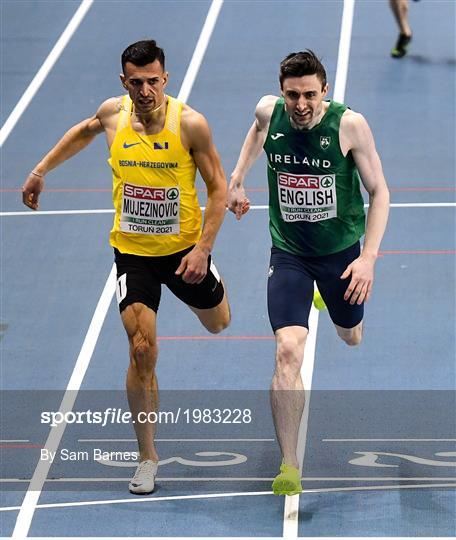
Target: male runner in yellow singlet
(156, 144)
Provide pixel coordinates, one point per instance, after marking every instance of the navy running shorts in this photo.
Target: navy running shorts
(139, 279)
(291, 287)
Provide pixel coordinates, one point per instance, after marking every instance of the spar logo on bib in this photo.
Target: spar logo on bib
(326, 181)
(173, 194)
(150, 210)
(307, 197)
(143, 192)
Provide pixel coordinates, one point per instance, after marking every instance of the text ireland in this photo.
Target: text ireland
(291, 159)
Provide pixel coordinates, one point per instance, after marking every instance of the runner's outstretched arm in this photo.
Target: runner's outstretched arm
(74, 140)
(238, 203)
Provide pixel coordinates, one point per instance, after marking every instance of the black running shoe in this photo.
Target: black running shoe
(400, 49)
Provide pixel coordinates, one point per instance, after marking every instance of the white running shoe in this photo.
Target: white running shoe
(143, 482)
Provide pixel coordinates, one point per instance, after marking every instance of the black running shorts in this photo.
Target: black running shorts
(139, 279)
(291, 288)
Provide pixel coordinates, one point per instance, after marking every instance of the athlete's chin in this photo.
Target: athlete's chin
(303, 120)
(144, 106)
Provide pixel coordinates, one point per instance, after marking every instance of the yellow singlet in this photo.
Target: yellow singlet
(154, 194)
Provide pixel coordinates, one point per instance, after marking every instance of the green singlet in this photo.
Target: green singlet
(315, 202)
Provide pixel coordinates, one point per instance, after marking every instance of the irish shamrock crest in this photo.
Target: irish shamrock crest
(325, 141)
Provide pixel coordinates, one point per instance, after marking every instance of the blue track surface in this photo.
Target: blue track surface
(363, 473)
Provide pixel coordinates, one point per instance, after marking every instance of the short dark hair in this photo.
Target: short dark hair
(300, 64)
(142, 53)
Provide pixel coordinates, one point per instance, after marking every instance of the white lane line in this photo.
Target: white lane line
(222, 479)
(200, 49)
(44, 70)
(291, 504)
(38, 479)
(419, 205)
(159, 479)
(343, 55)
(14, 440)
(179, 440)
(57, 212)
(291, 507)
(29, 503)
(389, 440)
(255, 207)
(384, 488)
(223, 495)
(145, 499)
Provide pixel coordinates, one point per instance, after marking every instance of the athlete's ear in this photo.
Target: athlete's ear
(165, 78)
(325, 89)
(123, 80)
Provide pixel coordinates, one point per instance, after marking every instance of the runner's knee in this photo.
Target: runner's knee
(219, 324)
(352, 341)
(215, 319)
(289, 353)
(353, 336)
(143, 354)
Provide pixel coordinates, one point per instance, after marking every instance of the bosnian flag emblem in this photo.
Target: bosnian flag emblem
(160, 146)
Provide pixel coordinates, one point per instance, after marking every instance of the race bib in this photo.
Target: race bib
(150, 210)
(307, 197)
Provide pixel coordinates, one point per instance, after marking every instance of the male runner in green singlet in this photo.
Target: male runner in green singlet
(317, 152)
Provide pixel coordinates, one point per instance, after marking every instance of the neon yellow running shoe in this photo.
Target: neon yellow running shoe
(400, 49)
(288, 482)
(318, 301)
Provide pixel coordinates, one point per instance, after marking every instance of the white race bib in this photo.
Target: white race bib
(150, 210)
(306, 197)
